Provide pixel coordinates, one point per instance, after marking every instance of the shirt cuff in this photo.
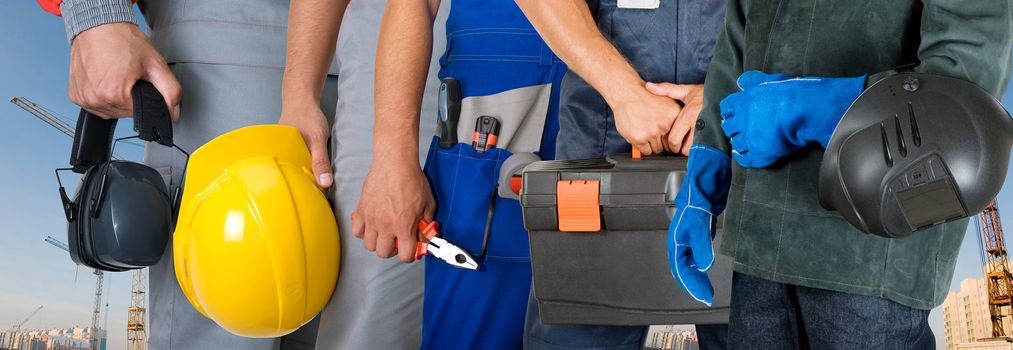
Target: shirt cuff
(81, 15)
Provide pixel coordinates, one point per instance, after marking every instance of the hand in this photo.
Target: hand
(106, 61)
(312, 124)
(700, 200)
(680, 138)
(775, 115)
(395, 196)
(644, 119)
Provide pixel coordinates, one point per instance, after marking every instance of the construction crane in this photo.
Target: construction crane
(137, 334)
(997, 270)
(136, 310)
(17, 325)
(97, 306)
(48, 117)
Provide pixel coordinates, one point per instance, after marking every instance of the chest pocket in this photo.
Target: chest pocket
(672, 43)
(511, 75)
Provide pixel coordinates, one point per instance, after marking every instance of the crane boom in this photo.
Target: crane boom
(28, 317)
(57, 243)
(48, 118)
(18, 323)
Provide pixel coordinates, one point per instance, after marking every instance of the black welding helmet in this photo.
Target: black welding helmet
(913, 151)
(121, 215)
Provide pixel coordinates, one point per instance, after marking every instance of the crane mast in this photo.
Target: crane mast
(97, 306)
(997, 271)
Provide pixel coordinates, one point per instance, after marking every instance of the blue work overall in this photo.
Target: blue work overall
(505, 71)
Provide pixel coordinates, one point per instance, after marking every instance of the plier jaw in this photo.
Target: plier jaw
(440, 248)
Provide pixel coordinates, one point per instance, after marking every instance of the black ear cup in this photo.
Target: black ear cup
(121, 215)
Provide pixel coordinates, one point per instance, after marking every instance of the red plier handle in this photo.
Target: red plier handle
(428, 230)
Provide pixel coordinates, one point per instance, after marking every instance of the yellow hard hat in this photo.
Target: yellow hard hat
(256, 244)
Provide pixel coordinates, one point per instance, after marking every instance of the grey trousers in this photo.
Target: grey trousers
(216, 99)
(377, 303)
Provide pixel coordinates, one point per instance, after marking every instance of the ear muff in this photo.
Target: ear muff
(133, 232)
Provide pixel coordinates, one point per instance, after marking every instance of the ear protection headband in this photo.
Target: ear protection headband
(122, 214)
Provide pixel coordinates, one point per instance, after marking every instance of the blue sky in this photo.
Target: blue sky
(33, 64)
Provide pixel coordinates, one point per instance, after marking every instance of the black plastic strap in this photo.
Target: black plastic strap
(92, 139)
(152, 120)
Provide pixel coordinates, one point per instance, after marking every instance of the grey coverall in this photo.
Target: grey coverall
(228, 55)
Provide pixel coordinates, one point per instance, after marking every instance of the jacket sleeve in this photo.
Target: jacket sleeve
(971, 40)
(725, 68)
(81, 15)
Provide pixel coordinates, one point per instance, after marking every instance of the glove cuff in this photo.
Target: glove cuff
(844, 92)
(707, 181)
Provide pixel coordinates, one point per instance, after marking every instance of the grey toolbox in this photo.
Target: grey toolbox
(598, 230)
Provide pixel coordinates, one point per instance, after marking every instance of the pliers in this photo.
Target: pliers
(442, 249)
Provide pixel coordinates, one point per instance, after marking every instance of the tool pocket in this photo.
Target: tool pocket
(464, 185)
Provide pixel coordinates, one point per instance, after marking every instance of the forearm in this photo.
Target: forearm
(967, 40)
(402, 65)
(569, 29)
(312, 36)
(81, 15)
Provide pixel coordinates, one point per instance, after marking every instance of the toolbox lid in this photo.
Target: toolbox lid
(625, 187)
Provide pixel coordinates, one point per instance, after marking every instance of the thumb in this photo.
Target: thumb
(754, 77)
(161, 77)
(676, 91)
(321, 163)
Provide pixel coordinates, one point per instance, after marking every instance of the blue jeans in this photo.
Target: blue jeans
(539, 336)
(771, 315)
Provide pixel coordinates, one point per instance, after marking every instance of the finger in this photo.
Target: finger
(369, 238)
(676, 91)
(657, 146)
(678, 134)
(110, 100)
(673, 141)
(321, 163)
(732, 128)
(700, 243)
(754, 77)
(358, 226)
(687, 144)
(406, 247)
(161, 77)
(729, 104)
(385, 245)
(645, 148)
(429, 212)
(697, 284)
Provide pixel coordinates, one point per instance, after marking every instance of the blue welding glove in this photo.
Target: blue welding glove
(700, 200)
(775, 115)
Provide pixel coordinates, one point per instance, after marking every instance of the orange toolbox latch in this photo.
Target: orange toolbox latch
(578, 205)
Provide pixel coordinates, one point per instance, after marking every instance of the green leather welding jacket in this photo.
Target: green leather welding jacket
(775, 227)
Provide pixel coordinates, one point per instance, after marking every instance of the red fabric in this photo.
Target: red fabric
(53, 6)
